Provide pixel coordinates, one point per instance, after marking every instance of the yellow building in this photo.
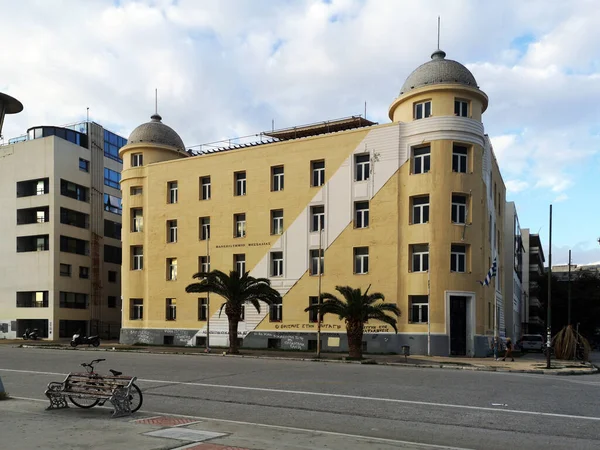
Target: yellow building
(401, 203)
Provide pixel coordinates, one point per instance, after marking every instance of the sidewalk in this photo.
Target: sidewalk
(528, 363)
(27, 423)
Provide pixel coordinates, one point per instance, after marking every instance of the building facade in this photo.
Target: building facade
(513, 281)
(412, 208)
(61, 227)
(533, 270)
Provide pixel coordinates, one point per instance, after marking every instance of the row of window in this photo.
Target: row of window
(419, 261)
(422, 109)
(84, 272)
(418, 307)
(421, 163)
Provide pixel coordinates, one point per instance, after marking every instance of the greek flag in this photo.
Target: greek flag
(491, 273)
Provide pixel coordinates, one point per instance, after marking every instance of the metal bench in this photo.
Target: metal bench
(97, 388)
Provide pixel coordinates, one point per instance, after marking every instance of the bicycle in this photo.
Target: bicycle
(135, 397)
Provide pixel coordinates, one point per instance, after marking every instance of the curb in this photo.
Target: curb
(589, 371)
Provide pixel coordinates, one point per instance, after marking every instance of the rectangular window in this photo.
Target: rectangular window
(316, 262)
(420, 209)
(276, 311)
(112, 204)
(419, 308)
(112, 301)
(112, 144)
(40, 214)
(277, 221)
(240, 183)
(276, 264)
(137, 254)
(317, 218)
(202, 309)
(361, 214)
(136, 310)
(459, 209)
(137, 160)
(205, 188)
(112, 276)
(72, 245)
(204, 228)
(74, 191)
(112, 254)
(39, 243)
(362, 167)
(74, 218)
(65, 270)
(171, 269)
(277, 178)
(421, 160)
(239, 225)
(33, 187)
(35, 299)
(112, 178)
(172, 231)
(243, 314)
(461, 108)
(73, 300)
(317, 169)
(172, 192)
(422, 110)
(420, 257)
(239, 263)
(84, 165)
(204, 264)
(361, 260)
(313, 316)
(136, 190)
(458, 258)
(84, 272)
(459, 158)
(137, 220)
(112, 229)
(171, 313)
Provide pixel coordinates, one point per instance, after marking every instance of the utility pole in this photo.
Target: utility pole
(569, 293)
(428, 303)
(321, 229)
(208, 297)
(549, 316)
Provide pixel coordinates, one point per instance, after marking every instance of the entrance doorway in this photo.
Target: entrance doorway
(458, 325)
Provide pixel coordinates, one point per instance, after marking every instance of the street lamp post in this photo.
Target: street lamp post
(319, 267)
(208, 298)
(549, 316)
(569, 293)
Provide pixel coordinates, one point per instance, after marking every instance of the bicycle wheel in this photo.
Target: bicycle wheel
(135, 398)
(86, 403)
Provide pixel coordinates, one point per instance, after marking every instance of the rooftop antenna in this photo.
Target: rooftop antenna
(438, 47)
(155, 101)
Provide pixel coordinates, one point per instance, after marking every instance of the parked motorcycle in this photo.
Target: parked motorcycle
(31, 334)
(78, 339)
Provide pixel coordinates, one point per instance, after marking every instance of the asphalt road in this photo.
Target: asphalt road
(458, 408)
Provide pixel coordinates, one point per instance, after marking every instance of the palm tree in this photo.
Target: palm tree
(236, 290)
(357, 308)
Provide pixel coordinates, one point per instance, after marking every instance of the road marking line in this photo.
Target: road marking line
(282, 427)
(351, 397)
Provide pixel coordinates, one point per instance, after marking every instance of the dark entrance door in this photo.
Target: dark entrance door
(458, 325)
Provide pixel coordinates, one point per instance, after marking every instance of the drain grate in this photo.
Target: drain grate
(165, 421)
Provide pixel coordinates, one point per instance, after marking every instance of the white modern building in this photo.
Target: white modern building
(60, 252)
(513, 273)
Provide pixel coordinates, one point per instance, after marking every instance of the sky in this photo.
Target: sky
(229, 68)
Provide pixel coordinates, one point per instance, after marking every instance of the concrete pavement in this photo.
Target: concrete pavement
(463, 409)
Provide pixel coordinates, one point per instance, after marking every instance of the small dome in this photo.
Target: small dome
(437, 71)
(156, 132)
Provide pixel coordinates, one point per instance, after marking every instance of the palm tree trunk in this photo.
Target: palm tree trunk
(354, 331)
(233, 339)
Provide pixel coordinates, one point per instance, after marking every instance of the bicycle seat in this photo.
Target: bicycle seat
(116, 373)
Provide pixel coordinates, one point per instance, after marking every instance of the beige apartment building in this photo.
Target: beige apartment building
(413, 208)
(60, 252)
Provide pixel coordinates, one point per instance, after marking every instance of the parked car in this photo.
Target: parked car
(532, 342)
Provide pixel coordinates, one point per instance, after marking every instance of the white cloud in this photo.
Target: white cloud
(561, 198)
(515, 186)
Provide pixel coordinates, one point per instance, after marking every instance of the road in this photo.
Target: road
(458, 408)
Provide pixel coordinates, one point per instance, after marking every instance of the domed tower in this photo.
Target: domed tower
(443, 201)
(148, 144)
